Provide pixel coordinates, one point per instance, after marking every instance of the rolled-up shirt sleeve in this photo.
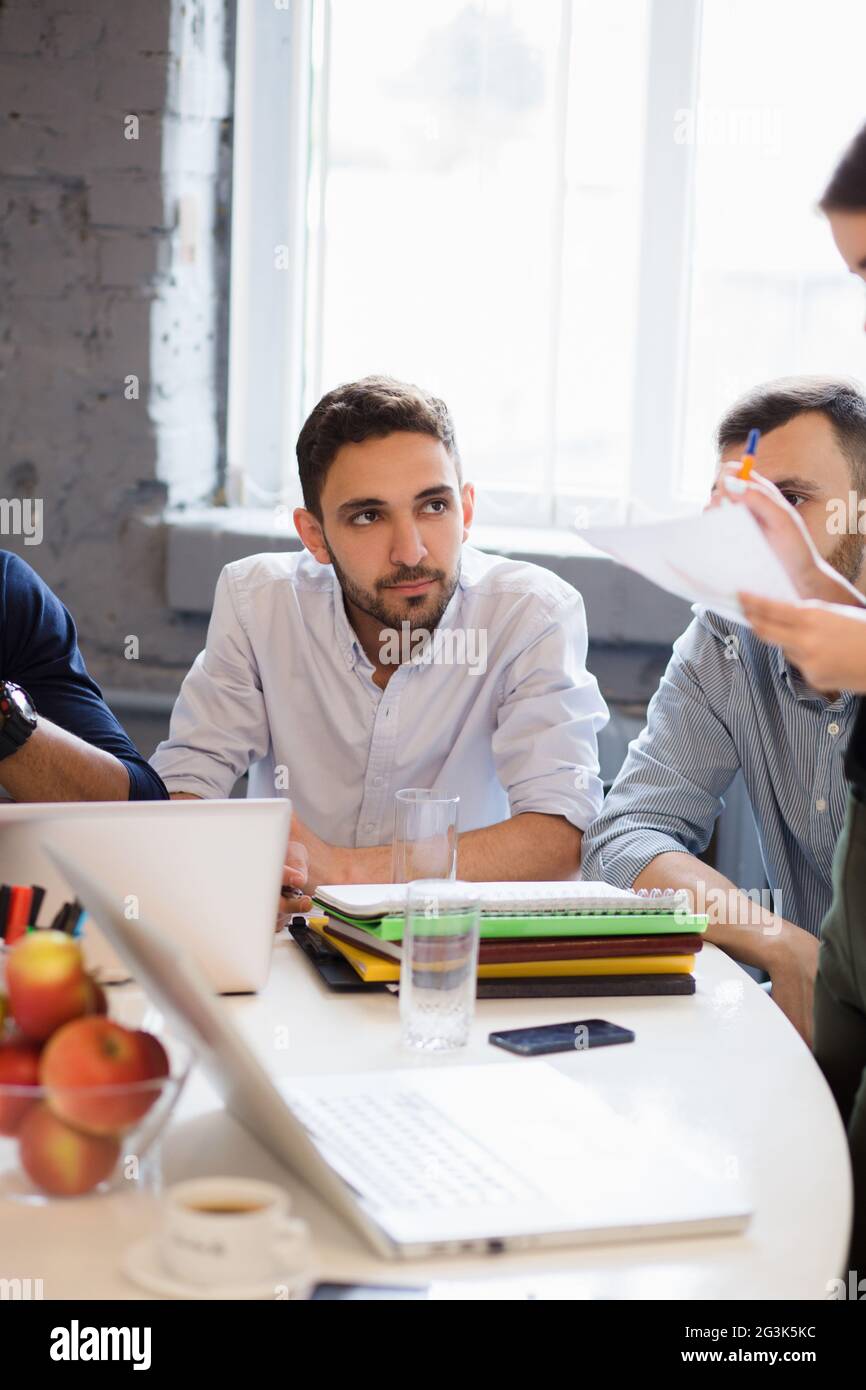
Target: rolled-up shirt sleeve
(670, 788)
(545, 744)
(219, 725)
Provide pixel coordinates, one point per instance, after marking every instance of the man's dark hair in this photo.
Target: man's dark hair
(774, 403)
(846, 191)
(371, 408)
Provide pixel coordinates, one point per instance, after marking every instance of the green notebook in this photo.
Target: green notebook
(390, 928)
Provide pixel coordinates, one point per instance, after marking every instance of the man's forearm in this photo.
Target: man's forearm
(746, 930)
(54, 765)
(528, 846)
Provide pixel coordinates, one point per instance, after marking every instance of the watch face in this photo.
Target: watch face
(12, 696)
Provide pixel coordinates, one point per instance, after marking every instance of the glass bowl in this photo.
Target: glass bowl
(68, 1141)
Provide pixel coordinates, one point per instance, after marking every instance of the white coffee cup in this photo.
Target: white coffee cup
(226, 1231)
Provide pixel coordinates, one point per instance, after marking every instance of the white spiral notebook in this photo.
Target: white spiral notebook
(363, 901)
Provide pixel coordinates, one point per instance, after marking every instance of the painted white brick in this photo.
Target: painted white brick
(92, 288)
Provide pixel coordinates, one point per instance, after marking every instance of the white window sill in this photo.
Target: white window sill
(620, 605)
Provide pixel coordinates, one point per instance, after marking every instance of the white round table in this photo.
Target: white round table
(726, 1052)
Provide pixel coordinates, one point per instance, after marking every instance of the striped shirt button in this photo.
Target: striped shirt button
(820, 804)
(833, 729)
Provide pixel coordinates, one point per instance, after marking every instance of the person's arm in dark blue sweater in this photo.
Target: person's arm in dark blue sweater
(78, 751)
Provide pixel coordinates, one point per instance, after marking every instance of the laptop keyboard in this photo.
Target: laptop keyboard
(407, 1152)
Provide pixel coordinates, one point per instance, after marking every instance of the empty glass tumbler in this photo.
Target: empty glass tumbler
(425, 835)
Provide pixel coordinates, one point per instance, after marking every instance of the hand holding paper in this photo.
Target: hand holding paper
(789, 537)
(707, 559)
(825, 641)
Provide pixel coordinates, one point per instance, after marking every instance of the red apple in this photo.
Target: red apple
(19, 1066)
(47, 983)
(62, 1160)
(96, 1052)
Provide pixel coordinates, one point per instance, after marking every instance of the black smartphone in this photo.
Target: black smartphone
(359, 1293)
(561, 1037)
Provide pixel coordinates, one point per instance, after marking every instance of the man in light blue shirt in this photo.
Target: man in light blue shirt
(728, 703)
(390, 654)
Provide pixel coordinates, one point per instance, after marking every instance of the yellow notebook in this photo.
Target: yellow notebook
(375, 969)
(378, 970)
(614, 965)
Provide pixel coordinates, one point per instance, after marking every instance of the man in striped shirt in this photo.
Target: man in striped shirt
(728, 703)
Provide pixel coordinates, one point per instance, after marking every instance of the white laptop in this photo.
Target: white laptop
(438, 1160)
(208, 873)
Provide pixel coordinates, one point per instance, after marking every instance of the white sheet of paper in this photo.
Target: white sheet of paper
(707, 559)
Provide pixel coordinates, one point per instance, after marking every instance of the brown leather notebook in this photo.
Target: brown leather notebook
(586, 947)
(513, 950)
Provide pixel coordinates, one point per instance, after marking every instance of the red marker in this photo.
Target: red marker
(18, 919)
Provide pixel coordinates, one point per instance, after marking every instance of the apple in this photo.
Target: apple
(98, 1053)
(48, 984)
(62, 1160)
(19, 1066)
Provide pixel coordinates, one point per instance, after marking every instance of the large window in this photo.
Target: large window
(585, 223)
(781, 92)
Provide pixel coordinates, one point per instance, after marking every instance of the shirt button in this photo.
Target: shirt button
(377, 781)
(833, 729)
(820, 804)
(370, 826)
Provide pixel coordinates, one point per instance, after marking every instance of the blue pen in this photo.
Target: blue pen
(749, 455)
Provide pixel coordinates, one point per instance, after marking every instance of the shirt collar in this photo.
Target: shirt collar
(800, 688)
(783, 666)
(345, 635)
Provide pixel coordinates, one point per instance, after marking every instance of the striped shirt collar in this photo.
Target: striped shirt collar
(802, 690)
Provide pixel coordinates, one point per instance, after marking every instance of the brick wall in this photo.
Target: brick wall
(115, 142)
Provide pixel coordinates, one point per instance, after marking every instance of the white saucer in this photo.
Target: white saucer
(141, 1264)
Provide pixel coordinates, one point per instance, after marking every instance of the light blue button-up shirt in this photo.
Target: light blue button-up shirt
(503, 713)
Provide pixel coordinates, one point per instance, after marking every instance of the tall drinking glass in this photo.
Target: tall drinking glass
(439, 967)
(425, 835)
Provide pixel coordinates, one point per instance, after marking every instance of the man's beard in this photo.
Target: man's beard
(375, 605)
(847, 557)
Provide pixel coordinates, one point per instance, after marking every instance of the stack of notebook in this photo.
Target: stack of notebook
(536, 938)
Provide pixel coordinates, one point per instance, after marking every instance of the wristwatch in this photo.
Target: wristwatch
(17, 718)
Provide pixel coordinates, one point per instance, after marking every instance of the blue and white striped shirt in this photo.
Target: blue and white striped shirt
(727, 702)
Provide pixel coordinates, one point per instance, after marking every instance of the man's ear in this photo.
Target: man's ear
(467, 497)
(309, 528)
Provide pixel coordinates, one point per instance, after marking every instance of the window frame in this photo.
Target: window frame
(278, 202)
